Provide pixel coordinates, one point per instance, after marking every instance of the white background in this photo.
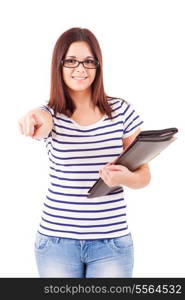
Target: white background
(143, 50)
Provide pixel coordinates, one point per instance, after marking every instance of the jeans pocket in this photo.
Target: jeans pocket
(123, 241)
(42, 242)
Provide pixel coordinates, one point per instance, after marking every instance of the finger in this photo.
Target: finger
(39, 132)
(20, 128)
(113, 162)
(38, 119)
(104, 175)
(101, 172)
(115, 167)
(32, 126)
(29, 125)
(34, 117)
(26, 125)
(109, 163)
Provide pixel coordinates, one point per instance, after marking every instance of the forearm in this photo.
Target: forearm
(138, 179)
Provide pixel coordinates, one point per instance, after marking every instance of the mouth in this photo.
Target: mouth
(79, 78)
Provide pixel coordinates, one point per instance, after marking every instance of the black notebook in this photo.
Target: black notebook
(143, 149)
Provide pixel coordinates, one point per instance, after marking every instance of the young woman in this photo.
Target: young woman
(84, 131)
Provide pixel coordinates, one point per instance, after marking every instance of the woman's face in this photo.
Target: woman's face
(78, 78)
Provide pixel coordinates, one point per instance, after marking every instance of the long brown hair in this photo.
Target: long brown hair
(60, 99)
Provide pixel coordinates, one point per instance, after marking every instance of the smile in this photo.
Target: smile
(79, 78)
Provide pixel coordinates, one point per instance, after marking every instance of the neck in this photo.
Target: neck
(82, 99)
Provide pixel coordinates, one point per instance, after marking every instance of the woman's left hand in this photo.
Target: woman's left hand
(114, 175)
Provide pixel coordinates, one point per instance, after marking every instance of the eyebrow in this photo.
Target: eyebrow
(75, 56)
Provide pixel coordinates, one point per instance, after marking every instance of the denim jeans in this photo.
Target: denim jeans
(73, 258)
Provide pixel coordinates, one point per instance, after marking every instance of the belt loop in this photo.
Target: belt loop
(82, 242)
(56, 240)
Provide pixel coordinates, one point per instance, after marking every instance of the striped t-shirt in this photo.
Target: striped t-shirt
(76, 153)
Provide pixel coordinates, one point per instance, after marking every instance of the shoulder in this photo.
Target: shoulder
(47, 108)
(116, 99)
(118, 102)
(121, 101)
(120, 105)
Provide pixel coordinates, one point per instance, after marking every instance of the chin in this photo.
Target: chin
(79, 89)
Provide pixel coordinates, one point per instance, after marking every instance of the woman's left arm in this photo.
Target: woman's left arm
(119, 175)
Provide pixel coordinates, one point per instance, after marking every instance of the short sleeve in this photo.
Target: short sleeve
(131, 119)
(47, 108)
(51, 111)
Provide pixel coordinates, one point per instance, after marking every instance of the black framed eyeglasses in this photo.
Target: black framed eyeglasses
(73, 63)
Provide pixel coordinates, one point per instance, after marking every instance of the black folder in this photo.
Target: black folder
(147, 145)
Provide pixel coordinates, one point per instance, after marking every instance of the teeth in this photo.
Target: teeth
(79, 78)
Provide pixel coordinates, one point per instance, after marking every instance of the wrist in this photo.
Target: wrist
(132, 180)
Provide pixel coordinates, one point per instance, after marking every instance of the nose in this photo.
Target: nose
(80, 67)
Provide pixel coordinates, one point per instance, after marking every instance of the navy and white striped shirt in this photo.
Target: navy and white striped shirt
(76, 153)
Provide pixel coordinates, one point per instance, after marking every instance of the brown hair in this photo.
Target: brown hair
(60, 99)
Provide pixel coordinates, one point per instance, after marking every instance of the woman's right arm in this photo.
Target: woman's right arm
(36, 123)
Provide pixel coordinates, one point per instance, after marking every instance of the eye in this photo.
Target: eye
(71, 61)
(89, 61)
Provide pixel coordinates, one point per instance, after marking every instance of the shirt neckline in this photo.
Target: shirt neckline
(88, 126)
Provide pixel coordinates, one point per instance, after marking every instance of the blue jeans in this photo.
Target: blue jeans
(72, 258)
